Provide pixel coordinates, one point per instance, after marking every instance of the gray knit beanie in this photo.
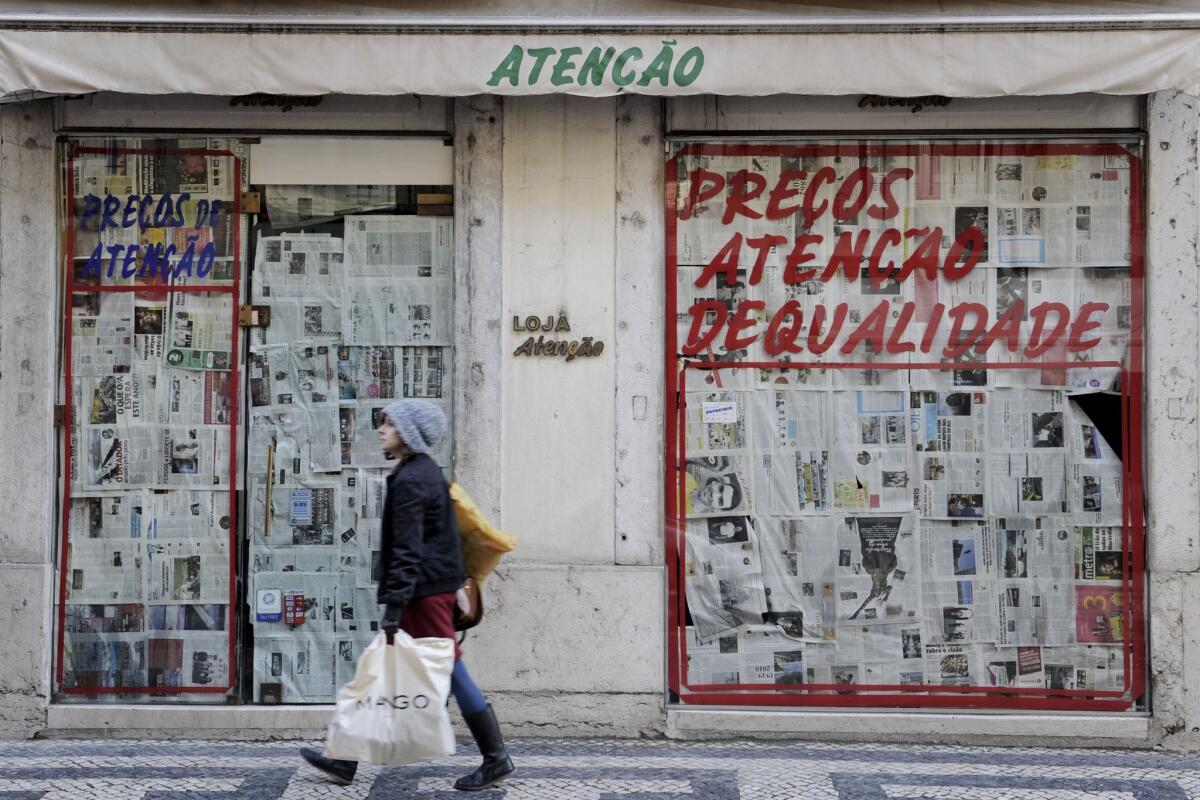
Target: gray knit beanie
(421, 425)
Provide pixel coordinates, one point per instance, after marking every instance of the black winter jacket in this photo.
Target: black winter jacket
(420, 551)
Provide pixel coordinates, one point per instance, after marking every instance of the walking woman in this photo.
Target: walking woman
(422, 569)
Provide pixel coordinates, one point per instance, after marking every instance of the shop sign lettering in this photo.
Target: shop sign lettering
(630, 66)
(284, 102)
(150, 259)
(914, 103)
(879, 256)
(568, 349)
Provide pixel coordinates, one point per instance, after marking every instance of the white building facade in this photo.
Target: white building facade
(837, 374)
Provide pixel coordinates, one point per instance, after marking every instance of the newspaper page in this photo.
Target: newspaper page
(1017, 667)
(1096, 482)
(108, 660)
(1099, 614)
(190, 514)
(1084, 667)
(293, 206)
(872, 460)
(1031, 419)
(878, 570)
(112, 516)
(120, 457)
(101, 333)
(949, 421)
(302, 276)
(1099, 554)
(790, 436)
(388, 312)
(200, 335)
(1029, 483)
(799, 575)
(724, 575)
(1034, 599)
(958, 586)
(712, 660)
(953, 485)
(105, 571)
(186, 570)
(951, 665)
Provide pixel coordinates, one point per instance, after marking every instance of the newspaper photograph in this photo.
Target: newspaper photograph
(105, 618)
(149, 330)
(716, 486)
(189, 617)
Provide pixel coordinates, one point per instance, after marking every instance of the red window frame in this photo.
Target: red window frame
(72, 288)
(927, 695)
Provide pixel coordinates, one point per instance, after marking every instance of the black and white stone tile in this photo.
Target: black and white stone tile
(600, 770)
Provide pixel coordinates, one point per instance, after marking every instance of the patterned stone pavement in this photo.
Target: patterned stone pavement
(600, 770)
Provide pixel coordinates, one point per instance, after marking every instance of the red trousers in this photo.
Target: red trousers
(431, 616)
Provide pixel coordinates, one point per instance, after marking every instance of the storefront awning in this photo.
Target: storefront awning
(670, 47)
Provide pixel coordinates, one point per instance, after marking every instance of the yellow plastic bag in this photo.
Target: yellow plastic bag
(483, 545)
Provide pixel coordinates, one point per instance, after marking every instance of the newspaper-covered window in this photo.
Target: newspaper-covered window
(359, 286)
(904, 424)
(152, 259)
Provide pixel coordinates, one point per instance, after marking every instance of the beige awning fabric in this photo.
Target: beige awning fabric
(757, 48)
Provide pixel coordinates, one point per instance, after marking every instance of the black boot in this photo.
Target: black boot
(337, 770)
(496, 764)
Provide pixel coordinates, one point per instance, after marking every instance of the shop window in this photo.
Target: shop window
(223, 483)
(904, 424)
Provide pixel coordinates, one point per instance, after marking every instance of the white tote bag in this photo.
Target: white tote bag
(394, 711)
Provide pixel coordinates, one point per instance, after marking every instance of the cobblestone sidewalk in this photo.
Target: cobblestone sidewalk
(599, 770)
